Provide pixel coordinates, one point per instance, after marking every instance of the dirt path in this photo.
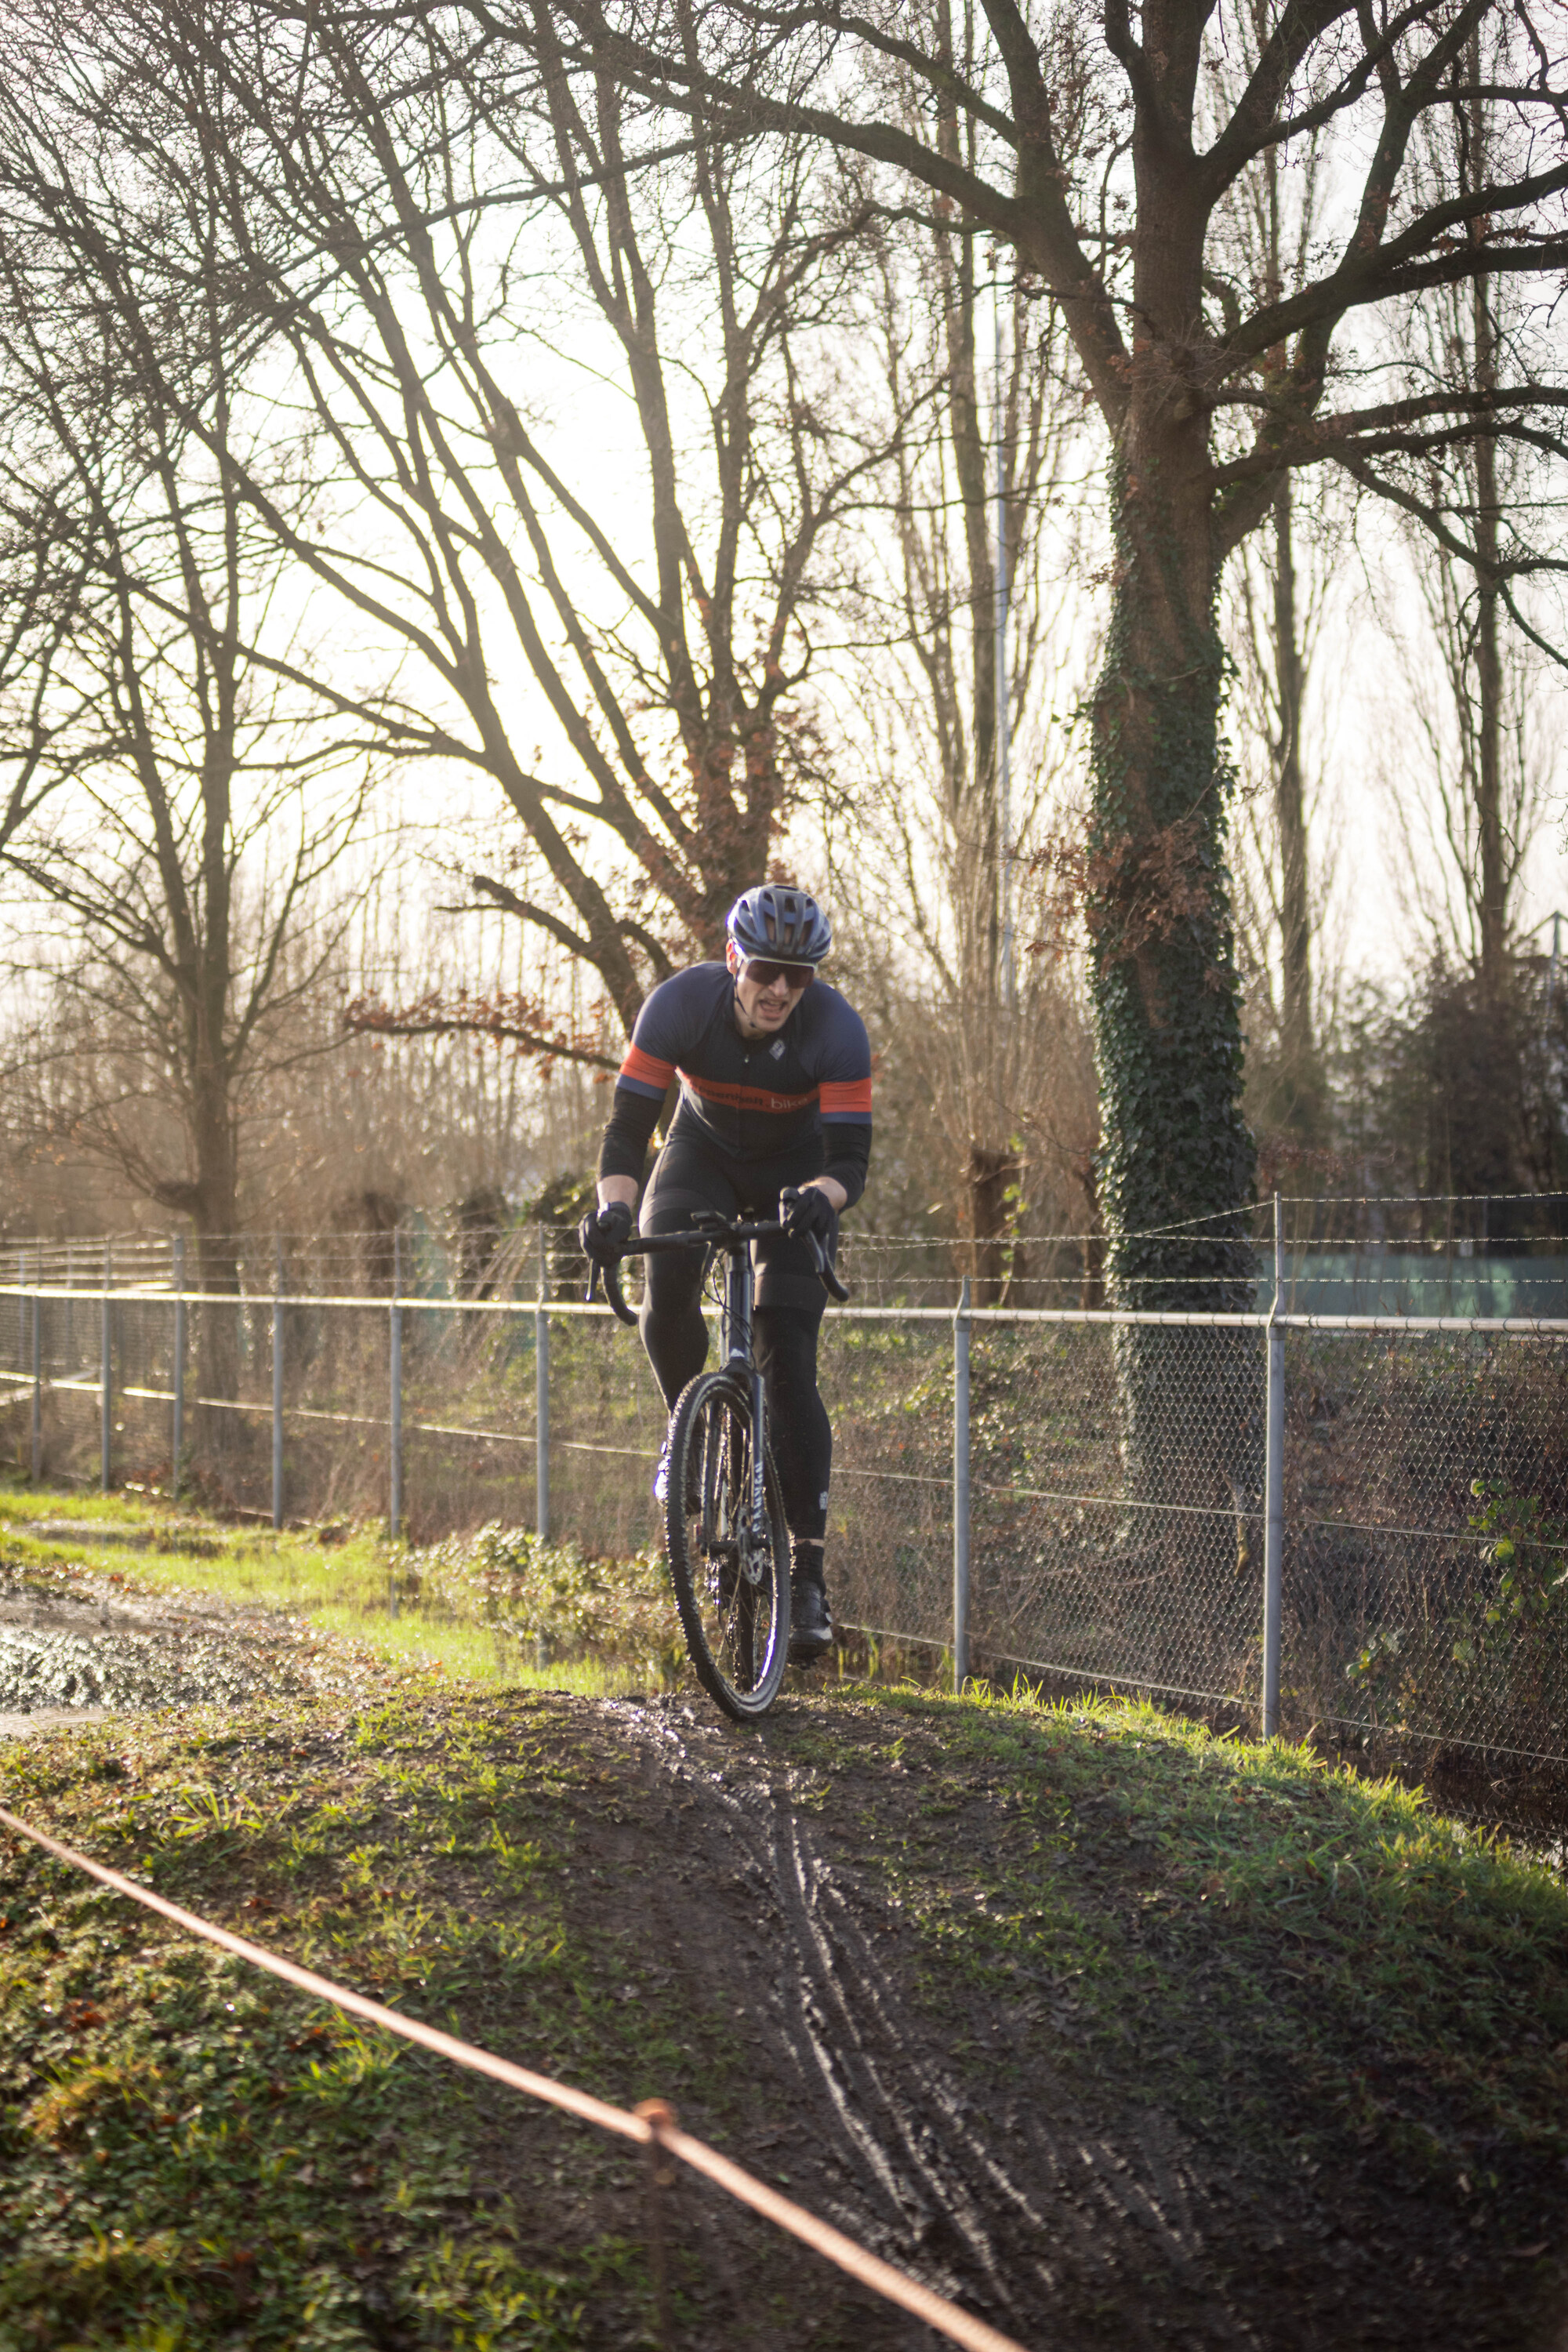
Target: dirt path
(935, 2121)
(1060, 2227)
(800, 1895)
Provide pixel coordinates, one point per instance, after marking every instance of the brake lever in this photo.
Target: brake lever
(826, 1269)
(616, 1295)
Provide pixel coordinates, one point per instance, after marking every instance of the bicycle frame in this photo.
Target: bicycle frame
(735, 1340)
(710, 1231)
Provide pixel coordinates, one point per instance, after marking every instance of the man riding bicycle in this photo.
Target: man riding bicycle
(775, 1108)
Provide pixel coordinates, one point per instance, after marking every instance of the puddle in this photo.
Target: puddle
(104, 1535)
(44, 1718)
(74, 1651)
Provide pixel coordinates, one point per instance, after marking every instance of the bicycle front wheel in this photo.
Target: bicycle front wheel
(730, 1574)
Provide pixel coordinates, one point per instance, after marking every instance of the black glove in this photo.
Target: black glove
(806, 1211)
(603, 1232)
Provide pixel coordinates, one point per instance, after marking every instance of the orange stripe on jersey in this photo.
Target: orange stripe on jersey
(645, 1068)
(845, 1095)
(746, 1098)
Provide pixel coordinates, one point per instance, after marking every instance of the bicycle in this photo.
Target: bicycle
(723, 1512)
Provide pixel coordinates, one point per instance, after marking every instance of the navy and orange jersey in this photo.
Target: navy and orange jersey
(756, 1101)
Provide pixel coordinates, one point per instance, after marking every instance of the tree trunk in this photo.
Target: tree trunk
(998, 1260)
(1176, 1160)
(1302, 1096)
(1289, 800)
(1493, 879)
(213, 1207)
(1499, 1037)
(1174, 1149)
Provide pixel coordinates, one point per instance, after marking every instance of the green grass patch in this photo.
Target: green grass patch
(496, 1607)
(1285, 1954)
(191, 2154)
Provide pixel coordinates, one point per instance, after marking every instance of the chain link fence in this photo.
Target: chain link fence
(1110, 1475)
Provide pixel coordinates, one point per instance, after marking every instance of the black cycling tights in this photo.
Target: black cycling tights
(787, 1314)
(785, 1339)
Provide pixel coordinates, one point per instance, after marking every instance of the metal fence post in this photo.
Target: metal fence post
(1274, 1500)
(960, 1489)
(277, 1382)
(541, 1392)
(394, 1450)
(37, 1367)
(106, 1359)
(179, 1381)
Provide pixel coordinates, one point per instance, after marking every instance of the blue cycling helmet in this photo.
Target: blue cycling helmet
(779, 921)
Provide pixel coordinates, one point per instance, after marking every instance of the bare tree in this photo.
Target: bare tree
(175, 804)
(1274, 612)
(411, 229)
(1488, 788)
(1184, 365)
(962, 603)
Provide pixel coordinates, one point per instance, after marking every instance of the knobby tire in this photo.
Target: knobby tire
(737, 1629)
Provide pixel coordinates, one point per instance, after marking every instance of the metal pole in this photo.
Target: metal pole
(1004, 711)
(106, 1359)
(38, 1370)
(541, 1392)
(960, 1489)
(277, 1382)
(395, 1472)
(179, 1432)
(1274, 1500)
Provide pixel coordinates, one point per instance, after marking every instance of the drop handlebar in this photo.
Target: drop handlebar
(713, 1231)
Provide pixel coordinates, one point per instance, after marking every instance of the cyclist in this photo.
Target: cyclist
(775, 1117)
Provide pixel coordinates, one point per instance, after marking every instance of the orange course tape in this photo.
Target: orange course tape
(867, 2268)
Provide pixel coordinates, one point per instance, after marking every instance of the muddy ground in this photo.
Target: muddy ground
(949, 2120)
(935, 2120)
(81, 1648)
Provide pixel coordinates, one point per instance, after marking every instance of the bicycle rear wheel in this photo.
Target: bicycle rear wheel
(732, 1579)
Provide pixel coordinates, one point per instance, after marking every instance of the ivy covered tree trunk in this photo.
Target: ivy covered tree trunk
(1176, 1162)
(1176, 1151)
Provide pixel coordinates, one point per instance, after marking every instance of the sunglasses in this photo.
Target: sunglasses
(794, 975)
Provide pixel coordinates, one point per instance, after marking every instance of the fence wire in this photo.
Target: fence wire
(1117, 1467)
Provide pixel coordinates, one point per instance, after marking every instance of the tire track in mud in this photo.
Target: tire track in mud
(1044, 2230)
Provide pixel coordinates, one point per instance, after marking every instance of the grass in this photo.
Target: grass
(1313, 1974)
(1282, 1952)
(1319, 1977)
(189, 2155)
(453, 1610)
